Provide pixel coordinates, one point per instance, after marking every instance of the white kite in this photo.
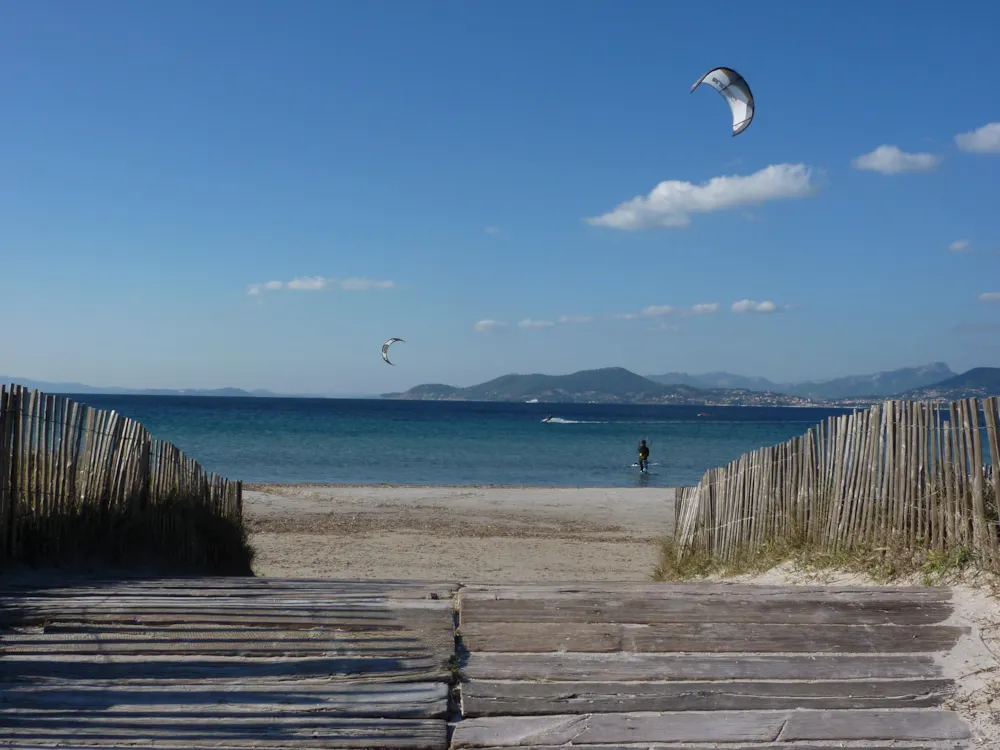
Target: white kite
(734, 90)
(385, 348)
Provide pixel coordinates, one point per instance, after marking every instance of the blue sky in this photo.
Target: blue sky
(160, 159)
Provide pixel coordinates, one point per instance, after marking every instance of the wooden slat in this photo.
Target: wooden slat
(629, 589)
(743, 726)
(299, 604)
(488, 698)
(358, 618)
(707, 637)
(728, 746)
(331, 732)
(250, 645)
(717, 609)
(335, 697)
(715, 726)
(628, 667)
(216, 668)
(875, 725)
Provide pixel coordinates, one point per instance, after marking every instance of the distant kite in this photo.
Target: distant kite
(385, 348)
(734, 90)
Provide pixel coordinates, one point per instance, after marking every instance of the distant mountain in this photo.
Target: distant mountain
(81, 388)
(880, 384)
(605, 385)
(979, 382)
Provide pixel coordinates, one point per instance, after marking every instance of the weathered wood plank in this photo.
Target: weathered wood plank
(249, 643)
(875, 725)
(355, 619)
(500, 731)
(342, 697)
(630, 667)
(490, 698)
(542, 637)
(630, 589)
(334, 732)
(714, 726)
(266, 744)
(717, 609)
(177, 668)
(707, 637)
(950, 745)
(116, 634)
(248, 588)
(298, 605)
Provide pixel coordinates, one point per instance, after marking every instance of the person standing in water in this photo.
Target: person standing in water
(643, 456)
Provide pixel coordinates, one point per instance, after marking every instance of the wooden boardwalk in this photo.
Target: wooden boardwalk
(230, 663)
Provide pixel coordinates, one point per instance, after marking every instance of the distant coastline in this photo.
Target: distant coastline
(616, 385)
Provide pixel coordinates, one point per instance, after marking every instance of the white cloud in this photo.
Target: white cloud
(959, 246)
(989, 297)
(663, 311)
(317, 283)
(489, 325)
(705, 308)
(984, 140)
(671, 203)
(534, 324)
(575, 318)
(891, 160)
(657, 311)
(308, 283)
(492, 230)
(749, 305)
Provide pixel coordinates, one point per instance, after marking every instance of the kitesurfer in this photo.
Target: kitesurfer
(643, 456)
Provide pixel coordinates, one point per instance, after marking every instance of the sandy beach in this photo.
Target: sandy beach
(458, 533)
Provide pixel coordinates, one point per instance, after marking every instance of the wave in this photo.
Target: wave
(560, 420)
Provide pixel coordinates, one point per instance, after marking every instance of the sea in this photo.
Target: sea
(371, 441)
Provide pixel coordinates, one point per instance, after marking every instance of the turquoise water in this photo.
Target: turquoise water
(456, 443)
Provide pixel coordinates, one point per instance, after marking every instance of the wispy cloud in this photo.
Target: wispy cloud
(671, 203)
(891, 160)
(984, 140)
(318, 283)
(959, 246)
(989, 297)
(752, 306)
(658, 311)
(664, 311)
(489, 325)
(492, 230)
(575, 319)
(534, 324)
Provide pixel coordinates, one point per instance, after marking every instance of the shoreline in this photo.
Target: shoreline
(436, 532)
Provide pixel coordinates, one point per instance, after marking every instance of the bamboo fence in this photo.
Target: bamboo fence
(911, 474)
(63, 463)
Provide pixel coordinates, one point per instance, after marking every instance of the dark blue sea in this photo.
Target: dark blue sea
(346, 441)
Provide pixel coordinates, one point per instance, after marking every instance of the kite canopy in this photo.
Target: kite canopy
(385, 348)
(734, 90)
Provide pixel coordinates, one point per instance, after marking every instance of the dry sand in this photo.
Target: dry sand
(458, 533)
